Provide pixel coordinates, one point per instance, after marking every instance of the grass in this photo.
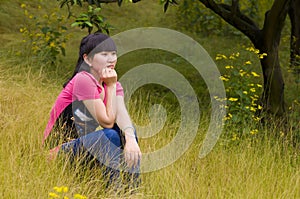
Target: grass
(261, 166)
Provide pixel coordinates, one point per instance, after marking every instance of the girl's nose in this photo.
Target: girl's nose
(112, 58)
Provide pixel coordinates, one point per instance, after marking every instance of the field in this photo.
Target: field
(264, 165)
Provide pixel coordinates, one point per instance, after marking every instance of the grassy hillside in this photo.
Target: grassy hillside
(253, 166)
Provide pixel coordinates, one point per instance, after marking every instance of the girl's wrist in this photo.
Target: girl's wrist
(111, 85)
(129, 132)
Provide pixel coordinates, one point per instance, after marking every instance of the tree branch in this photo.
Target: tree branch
(232, 15)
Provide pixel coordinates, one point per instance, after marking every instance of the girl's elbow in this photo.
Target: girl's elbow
(107, 125)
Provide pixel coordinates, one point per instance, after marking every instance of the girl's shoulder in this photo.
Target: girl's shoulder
(84, 76)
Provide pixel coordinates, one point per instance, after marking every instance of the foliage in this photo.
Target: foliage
(243, 90)
(92, 18)
(195, 17)
(44, 36)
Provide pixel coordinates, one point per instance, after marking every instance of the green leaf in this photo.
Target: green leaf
(97, 9)
(76, 24)
(89, 24)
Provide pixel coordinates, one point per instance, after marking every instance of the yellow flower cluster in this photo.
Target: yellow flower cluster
(256, 51)
(45, 36)
(61, 193)
(243, 95)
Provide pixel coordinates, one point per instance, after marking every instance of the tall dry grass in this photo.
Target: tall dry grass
(264, 168)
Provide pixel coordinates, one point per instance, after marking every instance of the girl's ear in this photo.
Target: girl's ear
(86, 59)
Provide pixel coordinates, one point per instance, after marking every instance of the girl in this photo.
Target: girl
(89, 116)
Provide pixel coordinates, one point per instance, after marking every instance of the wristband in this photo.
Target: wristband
(129, 127)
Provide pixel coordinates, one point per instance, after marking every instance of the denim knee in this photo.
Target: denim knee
(113, 136)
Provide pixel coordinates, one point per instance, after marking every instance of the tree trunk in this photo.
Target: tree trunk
(266, 40)
(273, 94)
(294, 14)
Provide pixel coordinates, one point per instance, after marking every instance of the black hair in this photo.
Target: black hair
(90, 45)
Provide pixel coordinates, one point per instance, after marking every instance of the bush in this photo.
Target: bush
(44, 36)
(243, 91)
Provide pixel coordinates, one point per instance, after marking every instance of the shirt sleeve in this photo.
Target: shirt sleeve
(119, 89)
(85, 88)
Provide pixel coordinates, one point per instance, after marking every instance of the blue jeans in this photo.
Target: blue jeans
(105, 146)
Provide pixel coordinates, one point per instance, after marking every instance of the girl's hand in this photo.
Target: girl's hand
(109, 76)
(132, 152)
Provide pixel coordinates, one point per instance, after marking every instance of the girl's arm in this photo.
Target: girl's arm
(105, 115)
(131, 149)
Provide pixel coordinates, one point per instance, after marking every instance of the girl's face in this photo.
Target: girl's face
(100, 61)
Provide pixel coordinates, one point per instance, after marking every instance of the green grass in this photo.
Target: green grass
(261, 166)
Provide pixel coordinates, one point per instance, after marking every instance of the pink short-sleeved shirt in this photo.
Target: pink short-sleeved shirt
(83, 86)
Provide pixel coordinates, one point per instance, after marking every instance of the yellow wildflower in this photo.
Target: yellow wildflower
(261, 56)
(65, 189)
(224, 78)
(231, 57)
(252, 90)
(245, 92)
(242, 72)
(220, 56)
(228, 67)
(251, 49)
(256, 118)
(58, 189)
(259, 85)
(232, 99)
(247, 62)
(53, 195)
(253, 132)
(52, 44)
(23, 5)
(78, 196)
(234, 137)
(255, 74)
